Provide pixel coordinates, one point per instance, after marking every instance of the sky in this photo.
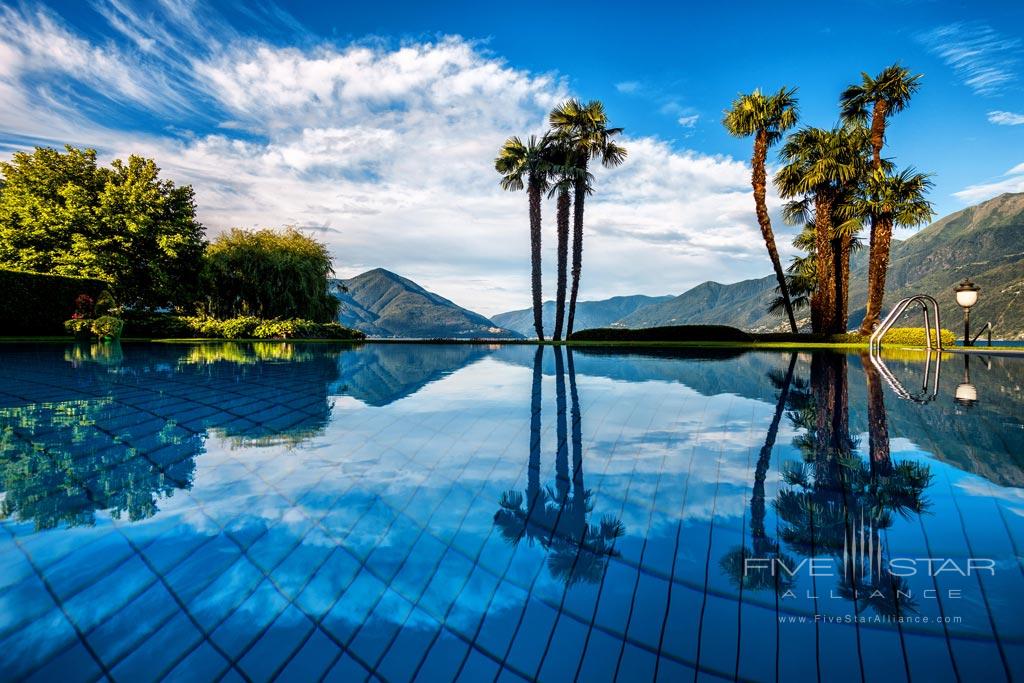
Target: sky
(374, 126)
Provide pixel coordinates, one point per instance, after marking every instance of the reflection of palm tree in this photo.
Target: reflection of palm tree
(834, 496)
(558, 519)
(734, 562)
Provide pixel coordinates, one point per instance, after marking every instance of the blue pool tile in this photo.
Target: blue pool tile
(273, 649)
(204, 663)
(444, 659)
(160, 651)
(246, 622)
(311, 661)
(73, 664)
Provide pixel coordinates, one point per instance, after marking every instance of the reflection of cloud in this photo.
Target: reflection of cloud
(977, 486)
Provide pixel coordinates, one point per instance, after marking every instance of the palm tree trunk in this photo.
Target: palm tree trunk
(842, 248)
(759, 183)
(823, 299)
(577, 244)
(561, 431)
(562, 228)
(533, 468)
(877, 252)
(878, 266)
(535, 266)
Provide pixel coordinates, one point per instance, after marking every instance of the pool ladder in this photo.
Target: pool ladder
(875, 349)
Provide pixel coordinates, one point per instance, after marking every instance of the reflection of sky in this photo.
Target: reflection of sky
(374, 536)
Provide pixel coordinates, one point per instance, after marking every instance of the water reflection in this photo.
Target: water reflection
(559, 519)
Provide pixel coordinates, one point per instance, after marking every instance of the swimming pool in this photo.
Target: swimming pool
(470, 512)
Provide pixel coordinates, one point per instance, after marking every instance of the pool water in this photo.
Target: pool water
(466, 512)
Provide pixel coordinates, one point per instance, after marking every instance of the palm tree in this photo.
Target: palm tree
(518, 161)
(566, 174)
(891, 201)
(584, 127)
(766, 118)
(886, 94)
(822, 166)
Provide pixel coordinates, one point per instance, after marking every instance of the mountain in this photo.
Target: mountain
(383, 304)
(603, 313)
(983, 242)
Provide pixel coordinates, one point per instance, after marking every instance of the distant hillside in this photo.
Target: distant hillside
(603, 313)
(983, 242)
(383, 304)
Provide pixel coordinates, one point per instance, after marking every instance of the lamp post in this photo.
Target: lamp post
(967, 296)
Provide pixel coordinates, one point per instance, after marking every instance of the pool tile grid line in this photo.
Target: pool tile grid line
(159, 577)
(679, 530)
(604, 574)
(981, 586)
(192, 553)
(743, 534)
(942, 610)
(292, 600)
(502, 578)
(67, 617)
(707, 560)
(453, 481)
(643, 548)
(416, 604)
(528, 590)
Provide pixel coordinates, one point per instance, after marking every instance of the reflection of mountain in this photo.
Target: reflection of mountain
(988, 441)
(116, 428)
(379, 374)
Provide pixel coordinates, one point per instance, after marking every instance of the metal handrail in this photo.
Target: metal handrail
(875, 342)
(987, 327)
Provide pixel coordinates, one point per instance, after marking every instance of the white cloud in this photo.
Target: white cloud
(688, 121)
(1011, 181)
(1006, 118)
(628, 86)
(983, 59)
(387, 152)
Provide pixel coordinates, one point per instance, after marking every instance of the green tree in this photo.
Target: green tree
(886, 94)
(823, 168)
(268, 274)
(62, 214)
(584, 127)
(890, 201)
(526, 164)
(765, 117)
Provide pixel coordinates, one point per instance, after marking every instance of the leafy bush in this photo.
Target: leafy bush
(103, 327)
(38, 304)
(246, 327)
(914, 336)
(673, 333)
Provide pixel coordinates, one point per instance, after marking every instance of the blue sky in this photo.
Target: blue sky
(374, 124)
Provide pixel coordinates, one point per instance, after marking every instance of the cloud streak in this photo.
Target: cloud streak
(983, 59)
(1006, 118)
(385, 149)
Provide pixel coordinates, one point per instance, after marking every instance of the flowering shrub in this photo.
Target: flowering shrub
(104, 327)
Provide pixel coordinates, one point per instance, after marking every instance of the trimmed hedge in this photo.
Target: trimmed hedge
(38, 304)
(672, 333)
(914, 336)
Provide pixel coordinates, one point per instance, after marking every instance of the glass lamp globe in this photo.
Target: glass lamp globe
(966, 294)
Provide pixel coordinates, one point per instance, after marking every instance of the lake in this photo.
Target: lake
(468, 512)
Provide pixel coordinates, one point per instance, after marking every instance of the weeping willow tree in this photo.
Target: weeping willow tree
(268, 274)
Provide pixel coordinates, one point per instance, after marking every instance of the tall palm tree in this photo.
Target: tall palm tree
(891, 201)
(528, 164)
(584, 127)
(886, 94)
(765, 117)
(565, 174)
(821, 167)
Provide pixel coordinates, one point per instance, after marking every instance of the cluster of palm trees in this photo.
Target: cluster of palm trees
(557, 163)
(837, 182)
